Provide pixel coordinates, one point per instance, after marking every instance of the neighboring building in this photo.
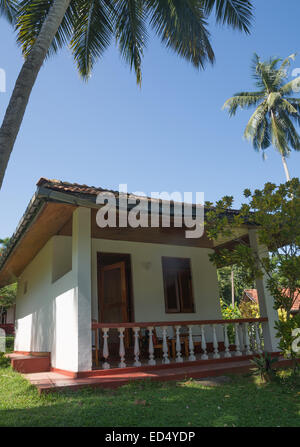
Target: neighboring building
(252, 295)
(71, 272)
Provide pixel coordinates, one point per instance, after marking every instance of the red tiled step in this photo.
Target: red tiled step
(52, 381)
(29, 363)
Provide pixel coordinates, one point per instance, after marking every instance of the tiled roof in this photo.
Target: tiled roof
(59, 185)
(252, 294)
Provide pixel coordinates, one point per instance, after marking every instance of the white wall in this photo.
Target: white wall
(147, 274)
(36, 310)
(55, 315)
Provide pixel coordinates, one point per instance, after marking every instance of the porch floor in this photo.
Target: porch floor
(53, 381)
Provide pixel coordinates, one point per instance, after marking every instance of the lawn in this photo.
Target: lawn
(243, 401)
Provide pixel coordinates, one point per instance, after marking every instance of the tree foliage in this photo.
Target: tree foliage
(274, 213)
(277, 109)
(89, 27)
(225, 285)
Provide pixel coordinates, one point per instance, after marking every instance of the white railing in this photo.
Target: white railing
(180, 341)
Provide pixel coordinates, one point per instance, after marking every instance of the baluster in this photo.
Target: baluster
(122, 363)
(165, 346)
(226, 342)
(96, 336)
(257, 338)
(105, 365)
(251, 337)
(151, 360)
(215, 343)
(247, 342)
(204, 356)
(237, 340)
(179, 358)
(192, 357)
(242, 344)
(136, 346)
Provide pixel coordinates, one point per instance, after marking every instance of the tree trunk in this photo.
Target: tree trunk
(25, 82)
(286, 169)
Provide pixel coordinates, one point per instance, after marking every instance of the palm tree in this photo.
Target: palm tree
(8, 9)
(88, 26)
(276, 108)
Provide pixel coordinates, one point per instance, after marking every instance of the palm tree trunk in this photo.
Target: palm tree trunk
(286, 169)
(25, 82)
(232, 288)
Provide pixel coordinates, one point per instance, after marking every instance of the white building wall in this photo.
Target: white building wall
(41, 314)
(54, 316)
(53, 306)
(147, 277)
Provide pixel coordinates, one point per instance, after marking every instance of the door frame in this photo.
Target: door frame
(124, 297)
(126, 260)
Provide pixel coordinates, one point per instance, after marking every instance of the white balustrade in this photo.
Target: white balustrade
(151, 360)
(105, 365)
(247, 342)
(165, 346)
(257, 339)
(237, 340)
(122, 363)
(226, 342)
(204, 356)
(215, 343)
(241, 334)
(179, 358)
(247, 338)
(192, 357)
(136, 346)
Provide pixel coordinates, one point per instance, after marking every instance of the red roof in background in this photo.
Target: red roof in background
(252, 295)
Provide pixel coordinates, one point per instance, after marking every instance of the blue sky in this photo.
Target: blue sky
(170, 135)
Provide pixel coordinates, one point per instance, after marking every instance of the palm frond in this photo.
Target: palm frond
(244, 100)
(92, 33)
(278, 135)
(182, 26)
(292, 86)
(8, 9)
(235, 13)
(287, 126)
(131, 32)
(30, 18)
(256, 124)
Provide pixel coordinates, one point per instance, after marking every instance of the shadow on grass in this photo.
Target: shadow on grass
(242, 402)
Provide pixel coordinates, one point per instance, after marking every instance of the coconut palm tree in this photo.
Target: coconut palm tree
(88, 26)
(277, 110)
(8, 9)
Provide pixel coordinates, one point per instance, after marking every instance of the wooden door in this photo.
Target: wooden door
(113, 294)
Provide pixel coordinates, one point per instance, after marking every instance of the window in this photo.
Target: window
(178, 285)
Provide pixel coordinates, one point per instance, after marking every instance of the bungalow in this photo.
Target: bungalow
(104, 297)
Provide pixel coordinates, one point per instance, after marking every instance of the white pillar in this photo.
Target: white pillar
(81, 267)
(265, 299)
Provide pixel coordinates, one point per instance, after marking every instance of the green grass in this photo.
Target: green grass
(244, 401)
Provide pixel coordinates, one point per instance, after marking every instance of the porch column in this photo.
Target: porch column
(81, 266)
(265, 299)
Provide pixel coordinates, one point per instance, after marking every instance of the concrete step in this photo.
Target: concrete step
(26, 364)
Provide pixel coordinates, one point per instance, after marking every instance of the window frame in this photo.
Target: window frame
(179, 271)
